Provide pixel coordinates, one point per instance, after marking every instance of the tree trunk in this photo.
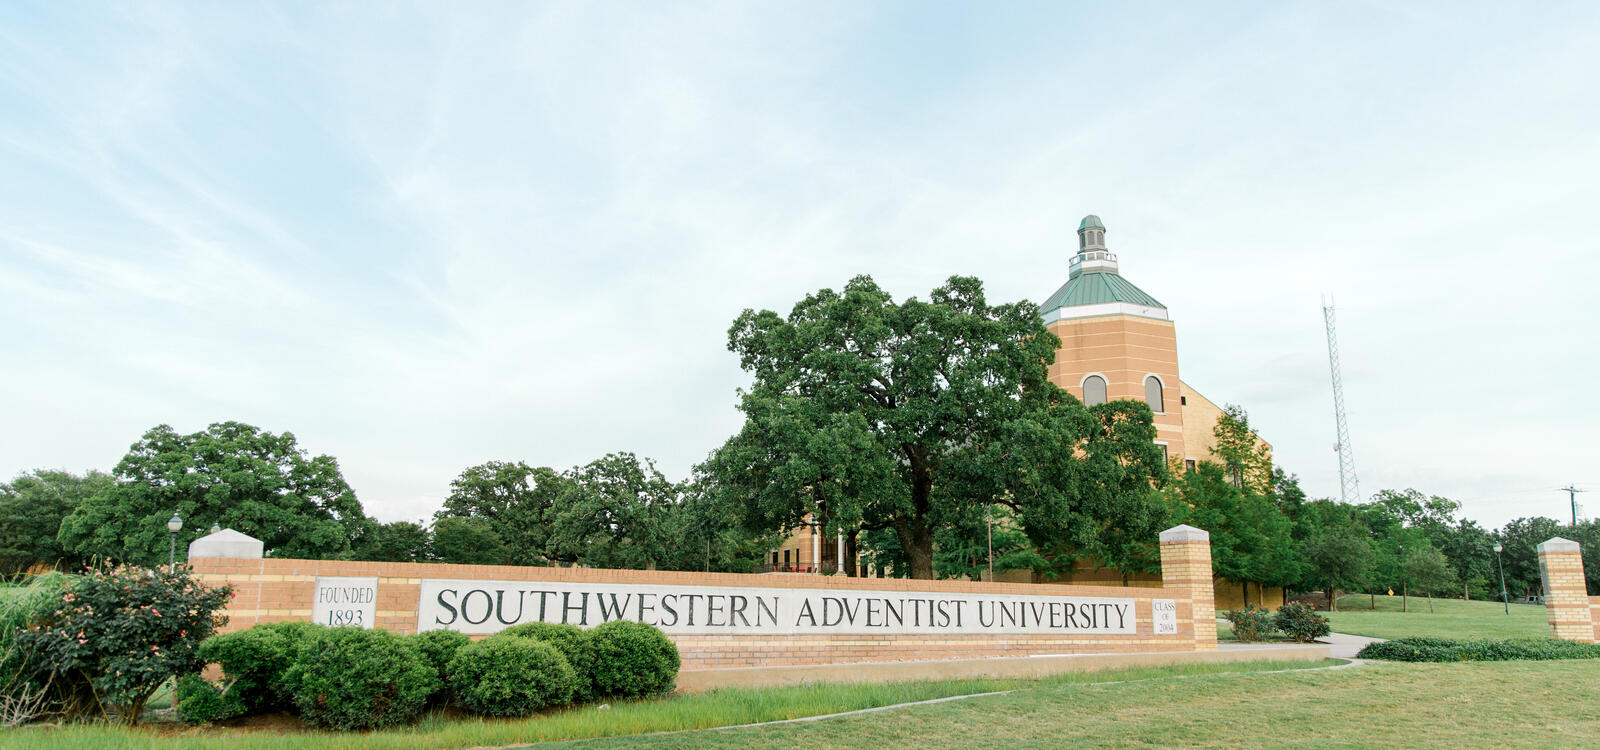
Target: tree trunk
(852, 553)
(1245, 587)
(1403, 597)
(916, 540)
(1333, 603)
(916, 537)
(1430, 601)
(1372, 600)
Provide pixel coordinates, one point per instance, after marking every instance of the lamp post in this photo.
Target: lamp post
(174, 525)
(1402, 577)
(1504, 598)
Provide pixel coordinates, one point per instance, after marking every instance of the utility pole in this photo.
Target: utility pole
(1572, 493)
(1349, 488)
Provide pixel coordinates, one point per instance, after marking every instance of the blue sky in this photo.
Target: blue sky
(425, 236)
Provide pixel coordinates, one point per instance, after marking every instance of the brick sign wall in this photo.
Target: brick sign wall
(736, 620)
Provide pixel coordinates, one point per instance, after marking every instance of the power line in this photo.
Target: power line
(1572, 493)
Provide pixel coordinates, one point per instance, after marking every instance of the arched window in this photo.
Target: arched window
(1094, 390)
(1152, 394)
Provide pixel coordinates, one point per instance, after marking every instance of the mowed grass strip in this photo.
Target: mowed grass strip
(714, 709)
(1381, 705)
(1451, 618)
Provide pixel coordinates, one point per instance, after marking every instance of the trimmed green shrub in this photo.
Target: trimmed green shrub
(1450, 650)
(352, 678)
(438, 647)
(255, 661)
(118, 633)
(632, 658)
(1250, 626)
(511, 676)
(200, 700)
(1300, 622)
(574, 643)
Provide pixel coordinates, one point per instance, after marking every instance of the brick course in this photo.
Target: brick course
(1567, 604)
(275, 590)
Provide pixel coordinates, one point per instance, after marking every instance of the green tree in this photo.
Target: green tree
(467, 541)
(1251, 539)
(617, 513)
(867, 415)
(713, 533)
(519, 502)
(1289, 497)
(1587, 535)
(400, 541)
(963, 547)
(32, 507)
(791, 464)
(230, 474)
(1427, 569)
(1339, 558)
(1520, 539)
(1470, 550)
(1245, 458)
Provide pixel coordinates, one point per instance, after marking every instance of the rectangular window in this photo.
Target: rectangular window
(1188, 464)
(1163, 452)
(1183, 400)
(774, 558)
(786, 558)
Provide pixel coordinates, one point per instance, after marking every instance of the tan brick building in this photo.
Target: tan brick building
(1117, 342)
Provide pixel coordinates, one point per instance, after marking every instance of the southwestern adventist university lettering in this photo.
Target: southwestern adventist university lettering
(477, 607)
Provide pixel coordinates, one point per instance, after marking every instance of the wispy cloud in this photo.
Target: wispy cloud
(435, 235)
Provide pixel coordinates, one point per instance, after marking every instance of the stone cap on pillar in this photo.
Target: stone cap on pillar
(226, 543)
(1185, 533)
(1557, 544)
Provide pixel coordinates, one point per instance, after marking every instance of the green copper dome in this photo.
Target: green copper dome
(1090, 221)
(1096, 289)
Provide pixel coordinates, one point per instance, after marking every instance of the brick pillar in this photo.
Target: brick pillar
(1186, 567)
(1566, 598)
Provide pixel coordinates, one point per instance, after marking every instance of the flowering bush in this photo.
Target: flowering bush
(1250, 625)
(118, 633)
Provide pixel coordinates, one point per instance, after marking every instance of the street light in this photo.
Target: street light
(174, 525)
(1506, 599)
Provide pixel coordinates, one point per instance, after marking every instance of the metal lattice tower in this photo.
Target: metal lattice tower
(1349, 489)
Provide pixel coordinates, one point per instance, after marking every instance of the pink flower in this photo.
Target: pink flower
(82, 641)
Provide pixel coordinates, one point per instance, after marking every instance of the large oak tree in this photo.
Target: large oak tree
(230, 474)
(871, 414)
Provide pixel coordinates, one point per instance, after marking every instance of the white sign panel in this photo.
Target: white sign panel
(345, 601)
(478, 607)
(1165, 616)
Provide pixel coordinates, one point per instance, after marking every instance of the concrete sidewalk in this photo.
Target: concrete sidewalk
(1344, 646)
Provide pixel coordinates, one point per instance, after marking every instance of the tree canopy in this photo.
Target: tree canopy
(32, 507)
(518, 502)
(230, 474)
(867, 414)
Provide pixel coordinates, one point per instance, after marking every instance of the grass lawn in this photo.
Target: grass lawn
(718, 708)
(1495, 704)
(1451, 618)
